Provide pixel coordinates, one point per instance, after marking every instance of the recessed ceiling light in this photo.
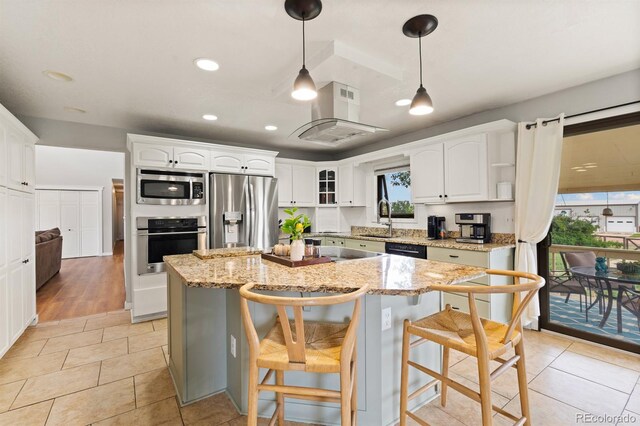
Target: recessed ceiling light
(55, 75)
(403, 102)
(206, 64)
(74, 109)
(210, 117)
(270, 127)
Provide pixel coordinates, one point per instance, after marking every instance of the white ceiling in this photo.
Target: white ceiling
(132, 61)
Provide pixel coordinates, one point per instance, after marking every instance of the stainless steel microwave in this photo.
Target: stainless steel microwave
(170, 187)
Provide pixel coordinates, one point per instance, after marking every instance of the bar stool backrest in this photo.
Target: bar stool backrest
(296, 345)
(529, 288)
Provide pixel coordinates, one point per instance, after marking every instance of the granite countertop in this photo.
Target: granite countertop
(387, 274)
(449, 243)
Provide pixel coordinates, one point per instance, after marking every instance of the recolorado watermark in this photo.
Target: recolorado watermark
(587, 418)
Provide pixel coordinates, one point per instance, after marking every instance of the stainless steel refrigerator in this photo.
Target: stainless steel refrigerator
(243, 211)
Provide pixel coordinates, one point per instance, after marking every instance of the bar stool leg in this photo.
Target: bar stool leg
(345, 394)
(445, 373)
(252, 406)
(280, 397)
(354, 394)
(404, 374)
(485, 388)
(522, 383)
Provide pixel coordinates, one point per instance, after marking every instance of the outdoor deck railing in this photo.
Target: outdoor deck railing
(610, 253)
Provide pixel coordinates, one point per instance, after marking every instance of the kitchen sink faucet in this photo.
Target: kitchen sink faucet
(389, 224)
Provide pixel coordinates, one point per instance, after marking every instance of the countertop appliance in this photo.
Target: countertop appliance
(435, 228)
(243, 211)
(170, 187)
(409, 250)
(475, 228)
(163, 236)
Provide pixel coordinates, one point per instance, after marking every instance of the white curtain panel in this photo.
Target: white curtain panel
(537, 174)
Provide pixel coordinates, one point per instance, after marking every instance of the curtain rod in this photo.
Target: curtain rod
(544, 123)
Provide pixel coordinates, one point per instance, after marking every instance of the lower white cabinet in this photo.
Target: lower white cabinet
(331, 241)
(17, 278)
(78, 214)
(375, 246)
(495, 307)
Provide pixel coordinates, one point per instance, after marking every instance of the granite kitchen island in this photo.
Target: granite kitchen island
(207, 344)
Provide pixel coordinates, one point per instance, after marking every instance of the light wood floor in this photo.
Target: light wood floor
(84, 286)
(104, 370)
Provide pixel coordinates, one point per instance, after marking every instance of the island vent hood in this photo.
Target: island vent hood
(335, 117)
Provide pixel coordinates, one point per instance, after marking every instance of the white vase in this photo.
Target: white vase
(297, 250)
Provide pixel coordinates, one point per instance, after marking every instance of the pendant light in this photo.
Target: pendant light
(607, 211)
(304, 89)
(418, 27)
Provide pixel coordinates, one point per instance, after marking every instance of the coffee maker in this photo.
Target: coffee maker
(475, 228)
(435, 228)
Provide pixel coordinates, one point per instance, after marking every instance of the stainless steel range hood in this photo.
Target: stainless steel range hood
(335, 117)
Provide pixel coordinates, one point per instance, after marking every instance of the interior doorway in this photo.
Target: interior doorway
(117, 206)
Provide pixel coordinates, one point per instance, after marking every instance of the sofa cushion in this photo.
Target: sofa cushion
(48, 235)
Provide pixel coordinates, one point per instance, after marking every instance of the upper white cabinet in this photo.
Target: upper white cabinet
(296, 185)
(167, 156)
(242, 163)
(327, 186)
(20, 166)
(151, 151)
(427, 174)
(351, 184)
(465, 169)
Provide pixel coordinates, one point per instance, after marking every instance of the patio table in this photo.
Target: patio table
(607, 281)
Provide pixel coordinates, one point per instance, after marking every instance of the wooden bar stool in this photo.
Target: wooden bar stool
(484, 339)
(315, 347)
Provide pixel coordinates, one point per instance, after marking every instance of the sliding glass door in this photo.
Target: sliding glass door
(591, 257)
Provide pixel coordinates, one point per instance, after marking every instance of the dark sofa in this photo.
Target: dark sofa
(48, 255)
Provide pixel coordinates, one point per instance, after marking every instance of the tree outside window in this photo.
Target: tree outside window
(396, 188)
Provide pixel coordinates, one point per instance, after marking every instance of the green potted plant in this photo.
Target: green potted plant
(295, 225)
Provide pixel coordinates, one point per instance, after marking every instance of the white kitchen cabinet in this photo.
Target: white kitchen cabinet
(327, 177)
(451, 171)
(427, 174)
(466, 169)
(20, 164)
(375, 246)
(152, 155)
(169, 156)
(332, 241)
(190, 158)
(242, 163)
(351, 184)
(17, 242)
(496, 307)
(296, 185)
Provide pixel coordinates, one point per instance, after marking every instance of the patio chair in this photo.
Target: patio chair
(629, 299)
(567, 284)
(577, 285)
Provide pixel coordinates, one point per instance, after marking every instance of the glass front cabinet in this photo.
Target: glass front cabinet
(327, 186)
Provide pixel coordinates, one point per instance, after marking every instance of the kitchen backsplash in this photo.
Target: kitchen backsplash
(499, 238)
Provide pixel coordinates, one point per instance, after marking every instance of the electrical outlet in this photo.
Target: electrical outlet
(386, 319)
(233, 345)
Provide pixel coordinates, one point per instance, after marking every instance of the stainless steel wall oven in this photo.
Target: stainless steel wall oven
(163, 236)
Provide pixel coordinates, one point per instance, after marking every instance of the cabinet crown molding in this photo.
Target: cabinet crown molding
(133, 138)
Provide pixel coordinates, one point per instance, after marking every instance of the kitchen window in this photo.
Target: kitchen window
(395, 186)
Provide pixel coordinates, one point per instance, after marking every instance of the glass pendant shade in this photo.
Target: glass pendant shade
(421, 103)
(304, 89)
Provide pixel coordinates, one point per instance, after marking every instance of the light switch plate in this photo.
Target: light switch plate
(386, 319)
(233, 346)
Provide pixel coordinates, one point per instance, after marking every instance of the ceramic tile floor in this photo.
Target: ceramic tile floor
(104, 370)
